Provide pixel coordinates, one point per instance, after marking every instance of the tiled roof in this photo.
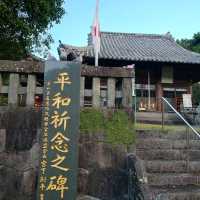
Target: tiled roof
(64, 50)
(143, 47)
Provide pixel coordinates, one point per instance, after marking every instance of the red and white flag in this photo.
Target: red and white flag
(96, 34)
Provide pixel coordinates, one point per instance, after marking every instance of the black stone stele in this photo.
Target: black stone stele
(59, 139)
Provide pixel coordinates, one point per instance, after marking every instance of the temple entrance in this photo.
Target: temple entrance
(175, 97)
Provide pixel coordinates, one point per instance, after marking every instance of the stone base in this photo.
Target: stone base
(83, 197)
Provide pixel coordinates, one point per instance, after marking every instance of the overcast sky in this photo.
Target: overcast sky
(180, 17)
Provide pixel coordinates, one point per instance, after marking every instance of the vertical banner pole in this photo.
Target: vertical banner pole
(149, 92)
(59, 138)
(134, 93)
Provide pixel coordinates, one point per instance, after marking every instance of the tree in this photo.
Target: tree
(24, 25)
(196, 93)
(193, 45)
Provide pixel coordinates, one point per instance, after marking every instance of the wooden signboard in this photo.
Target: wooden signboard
(59, 139)
(167, 74)
(187, 100)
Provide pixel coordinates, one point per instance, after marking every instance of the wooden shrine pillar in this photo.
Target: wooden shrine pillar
(159, 95)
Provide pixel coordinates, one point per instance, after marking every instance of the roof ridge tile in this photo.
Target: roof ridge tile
(136, 34)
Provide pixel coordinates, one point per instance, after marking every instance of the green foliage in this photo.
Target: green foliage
(91, 120)
(185, 43)
(196, 93)
(191, 44)
(3, 100)
(24, 25)
(5, 78)
(117, 127)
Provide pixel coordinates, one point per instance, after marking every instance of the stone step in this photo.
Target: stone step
(173, 135)
(156, 118)
(175, 154)
(173, 180)
(181, 196)
(160, 166)
(157, 143)
(188, 193)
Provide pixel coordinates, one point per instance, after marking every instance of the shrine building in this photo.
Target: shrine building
(162, 67)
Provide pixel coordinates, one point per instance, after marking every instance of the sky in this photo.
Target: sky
(180, 17)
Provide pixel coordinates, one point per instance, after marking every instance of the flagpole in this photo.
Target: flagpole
(96, 58)
(97, 50)
(97, 8)
(96, 35)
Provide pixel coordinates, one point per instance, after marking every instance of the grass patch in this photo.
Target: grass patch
(116, 125)
(119, 129)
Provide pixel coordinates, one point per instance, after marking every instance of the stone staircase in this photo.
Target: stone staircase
(172, 167)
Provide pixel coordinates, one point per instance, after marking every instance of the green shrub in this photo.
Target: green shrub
(119, 129)
(116, 125)
(3, 100)
(91, 121)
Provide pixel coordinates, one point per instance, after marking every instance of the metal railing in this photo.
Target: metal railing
(189, 128)
(134, 187)
(164, 100)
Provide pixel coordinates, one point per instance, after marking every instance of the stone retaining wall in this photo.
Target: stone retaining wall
(102, 168)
